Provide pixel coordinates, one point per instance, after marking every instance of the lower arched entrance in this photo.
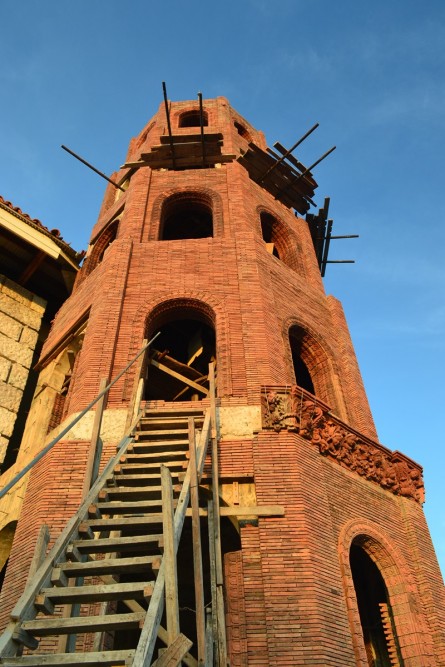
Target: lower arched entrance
(178, 362)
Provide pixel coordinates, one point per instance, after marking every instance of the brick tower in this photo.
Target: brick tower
(326, 555)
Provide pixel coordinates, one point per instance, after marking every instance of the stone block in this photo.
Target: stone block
(10, 327)
(5, 366)
(10, 397)
(18, 376)
(29, 337)
(7, 421)
(4, 442)
(20, 312)
(15, 351)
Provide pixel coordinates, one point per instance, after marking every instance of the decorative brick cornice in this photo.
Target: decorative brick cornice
(295, 409)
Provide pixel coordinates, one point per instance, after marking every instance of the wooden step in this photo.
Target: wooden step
(122, 523)
(94, 593)
(172, 412)
(126, 467)
(118, 544)
(105, 658)
(112, 566)
(139, 479)
(141, 453)
(160, 434)
(131, 492)
(129, 506)
(43, 627)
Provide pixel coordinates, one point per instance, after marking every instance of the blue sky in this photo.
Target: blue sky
(88, 74)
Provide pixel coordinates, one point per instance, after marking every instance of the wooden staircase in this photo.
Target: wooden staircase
(98, 597)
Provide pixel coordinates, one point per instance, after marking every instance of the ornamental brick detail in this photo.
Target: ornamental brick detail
(294, 409)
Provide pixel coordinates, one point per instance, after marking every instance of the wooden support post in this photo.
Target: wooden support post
(209, 639)
(138, 388)
(39, 552)
(197, 551)
(221, 625)
(95, 453)
(169, 558)
(214, 619)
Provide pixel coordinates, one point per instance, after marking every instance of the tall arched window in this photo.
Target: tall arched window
(186, 215)
(193, 119)
(381, 645)
(102, 244)
(178, 364)
(300, 350)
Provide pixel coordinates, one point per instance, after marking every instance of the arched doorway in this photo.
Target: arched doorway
(378, 629)
(178, 363)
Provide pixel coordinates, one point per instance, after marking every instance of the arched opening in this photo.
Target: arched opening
(6, 539)
(178, 365)
(99, 248)
(193, 119)
(374, 609)
(303, 376)
(269, 227)
(186, 216)
(242, 131)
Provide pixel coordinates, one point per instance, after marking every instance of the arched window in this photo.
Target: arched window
(6, 538)
(178, 364)
(186, 216)
(382, 649)
(193, 119)
(270, 233)
(298, 340)
(100, 247)
(242, 131)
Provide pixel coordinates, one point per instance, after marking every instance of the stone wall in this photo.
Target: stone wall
(21, 315)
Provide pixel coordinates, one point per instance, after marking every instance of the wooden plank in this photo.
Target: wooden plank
(109, 566)
(187, 659)
(97, 592)
(178, 376)
(118, 544)
(173, 655)
(105, 658)
(171, 577)
(95, 452)
(245, 510)
(44, 627)
(197, 549)
(184, 138)
(214, 618)
(39, 552)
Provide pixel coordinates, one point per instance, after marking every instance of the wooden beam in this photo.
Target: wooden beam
(178, 376)
(95, 452)
(169, 558)
(197, 550)
(173, 655)
(32, 267)
(245, 510)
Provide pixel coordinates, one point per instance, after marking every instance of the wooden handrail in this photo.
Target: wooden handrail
(144, 651)
(24, 608)
(55, 440)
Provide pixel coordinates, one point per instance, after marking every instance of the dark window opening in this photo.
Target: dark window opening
(178, 366)
(302, 375)
(186, 217)
(268, 230)
(193, 119)
(111, 234)
(242, 131)
(374, 609)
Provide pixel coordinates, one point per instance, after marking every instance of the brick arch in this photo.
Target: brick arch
(211, 308)
(411, 625)
(286, 242)
(206, 195)
(319, 359)
(107, 236)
